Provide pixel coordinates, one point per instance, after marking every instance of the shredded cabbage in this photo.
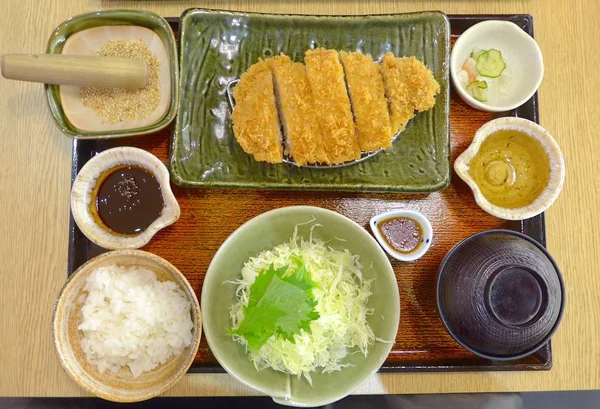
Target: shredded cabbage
(341, 296)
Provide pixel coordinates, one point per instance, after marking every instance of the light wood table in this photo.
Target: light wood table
(35, 164)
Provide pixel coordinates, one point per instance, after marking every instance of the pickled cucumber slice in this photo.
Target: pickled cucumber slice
(476, 89)
(476, 53)
(490, 63)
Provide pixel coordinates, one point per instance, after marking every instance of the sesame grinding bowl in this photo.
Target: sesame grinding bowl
(89, 113)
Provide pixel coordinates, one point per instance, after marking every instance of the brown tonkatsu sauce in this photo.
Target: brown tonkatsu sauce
(402, 233)
(129, 199)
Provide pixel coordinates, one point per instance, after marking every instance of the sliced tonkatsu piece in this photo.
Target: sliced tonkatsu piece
(255, 120)
(397, 93)
(370, 107)
(409, 86)
(326, 78)
(422, 86)
(303, 137)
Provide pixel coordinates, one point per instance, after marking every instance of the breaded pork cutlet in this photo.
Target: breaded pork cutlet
(421, 84)
(396, 91)
(326, 78)
(255, 120)
(365, 88)
(409, 86)
(303, 137)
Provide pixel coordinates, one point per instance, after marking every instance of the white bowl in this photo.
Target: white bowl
(422, 247)
(556, 160)
(520, 51)
(85, 184)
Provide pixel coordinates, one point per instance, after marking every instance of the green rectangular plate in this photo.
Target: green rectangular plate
(218, 46)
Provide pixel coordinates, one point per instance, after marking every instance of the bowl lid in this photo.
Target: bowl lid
(500, 294)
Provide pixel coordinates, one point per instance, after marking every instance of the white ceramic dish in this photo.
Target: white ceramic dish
(422, 247)
(521, 53)
(86, 181)
(556, 160)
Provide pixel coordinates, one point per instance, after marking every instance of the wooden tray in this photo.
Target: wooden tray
(208, 216)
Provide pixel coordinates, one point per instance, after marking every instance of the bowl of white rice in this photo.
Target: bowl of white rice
(127, 326)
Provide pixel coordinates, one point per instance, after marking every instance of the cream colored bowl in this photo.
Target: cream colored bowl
(122, 386)
(557, 167)
(85, 184)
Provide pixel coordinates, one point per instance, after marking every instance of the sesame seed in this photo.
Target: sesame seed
(114, 105)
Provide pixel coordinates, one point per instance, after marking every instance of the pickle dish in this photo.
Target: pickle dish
(496, 66)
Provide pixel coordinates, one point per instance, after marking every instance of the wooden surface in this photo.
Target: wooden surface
(34, 175)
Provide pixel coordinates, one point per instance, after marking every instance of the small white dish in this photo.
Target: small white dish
(555, 157)
(521, 53)
(86, 182)
(422, 247)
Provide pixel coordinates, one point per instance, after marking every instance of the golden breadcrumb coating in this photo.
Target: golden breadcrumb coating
(323, 121)
(365, 88)
(421, 84)
(326, 78)
(409, 86)
(255, 120)
(304, 141)
(397, 94)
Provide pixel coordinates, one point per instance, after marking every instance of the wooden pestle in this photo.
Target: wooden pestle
(82, 70)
